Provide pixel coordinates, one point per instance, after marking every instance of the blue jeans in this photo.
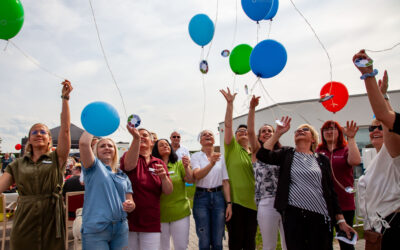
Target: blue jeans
(209, 215)
(115, 236)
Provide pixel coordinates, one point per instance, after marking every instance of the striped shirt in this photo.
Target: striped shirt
(305, 187)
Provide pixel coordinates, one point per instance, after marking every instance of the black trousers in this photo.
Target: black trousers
(348, 217)
(391, 237)
(305, 230)
(242, 228)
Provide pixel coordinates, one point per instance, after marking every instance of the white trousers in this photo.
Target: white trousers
(179, 230)
(144, 241)
(269, 220)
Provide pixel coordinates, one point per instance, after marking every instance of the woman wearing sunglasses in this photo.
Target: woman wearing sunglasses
(343, 156)
(305, 195)
(379, 188)
(39, 221)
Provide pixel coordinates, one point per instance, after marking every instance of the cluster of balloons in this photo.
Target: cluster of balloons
(258, 10)
(11, 18)
(334, 96)
(100, 119)
(269, 57)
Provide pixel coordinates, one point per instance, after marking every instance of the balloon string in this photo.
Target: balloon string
(202, 53)
(258, 29)
(282, 108)
(105, 58)
(215, 28)
(204, 102)
(35, 62)
(235, 30)
(270, 26)
(5, 48)
(316, 36)
(382, 50)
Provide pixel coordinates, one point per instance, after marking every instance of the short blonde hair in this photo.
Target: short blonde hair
(114, 163)
(314, 135)
(28, 146)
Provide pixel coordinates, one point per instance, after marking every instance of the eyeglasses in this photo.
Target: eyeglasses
(329, 129)
(176, 136)
(41, 132)
(304, 129)
(241, 131)
(372, 128)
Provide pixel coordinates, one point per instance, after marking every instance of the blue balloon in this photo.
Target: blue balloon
(201, 29)
(100, 118)
(268, 58)
(271, 14)
(256, 9)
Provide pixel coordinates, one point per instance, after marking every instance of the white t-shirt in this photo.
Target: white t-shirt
(215, 176)
(379, 189)
(181, 152)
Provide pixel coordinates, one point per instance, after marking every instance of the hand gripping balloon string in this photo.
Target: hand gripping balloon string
(319, 40)
(34, 61)
(236, 21)
(382, 50)
(106, 60)
(215, 28)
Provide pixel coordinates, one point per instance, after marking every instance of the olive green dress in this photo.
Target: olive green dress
(39, 222)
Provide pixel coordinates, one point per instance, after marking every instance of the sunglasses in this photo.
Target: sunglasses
(372, 128)
(41, 132)
(304, 129)
(176, 136)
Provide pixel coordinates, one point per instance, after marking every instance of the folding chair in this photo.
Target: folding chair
(73, 201)
(6, 213)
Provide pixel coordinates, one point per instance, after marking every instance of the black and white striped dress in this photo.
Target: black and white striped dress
(305, 190)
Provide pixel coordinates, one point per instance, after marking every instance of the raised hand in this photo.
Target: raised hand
(363, 55)
(230, 97)
(281, 129)
(214, 158)
(66, 89)
(160, 171)
(384, 83)
(254, 102)
(186, 161)
(350, 130)
(133, 131)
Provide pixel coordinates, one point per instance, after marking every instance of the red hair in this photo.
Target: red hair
(341, 141)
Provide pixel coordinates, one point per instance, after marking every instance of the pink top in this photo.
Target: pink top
(147, 190)
(344, 175)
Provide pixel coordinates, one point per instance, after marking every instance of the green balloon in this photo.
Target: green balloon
(239, 60)
(11, 18)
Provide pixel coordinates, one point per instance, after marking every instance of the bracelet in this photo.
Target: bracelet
(372, 74)
(65, 97)
(386, 96)
(340, 221)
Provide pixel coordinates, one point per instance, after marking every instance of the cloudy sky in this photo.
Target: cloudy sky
(155, 62)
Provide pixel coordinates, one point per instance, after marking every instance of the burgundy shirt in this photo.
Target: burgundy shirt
(147, 190)
(344, 175)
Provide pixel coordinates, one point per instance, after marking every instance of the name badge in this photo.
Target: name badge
(47, 162)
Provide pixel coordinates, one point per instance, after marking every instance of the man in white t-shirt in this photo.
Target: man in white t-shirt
(176, 145)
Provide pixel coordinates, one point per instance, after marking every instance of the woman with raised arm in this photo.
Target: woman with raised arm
(150, 178)
(305, 196)
(212, 184)
(266, 178)
(39, 221)
(378, 188)
(343, 154)
(175, 207)
(108, 196)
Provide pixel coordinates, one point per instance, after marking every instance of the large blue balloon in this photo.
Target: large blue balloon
(268, 58)
(201, 29)
(100, 118)
(271, 14)
(256, 9)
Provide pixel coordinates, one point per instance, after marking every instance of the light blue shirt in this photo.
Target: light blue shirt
(104, 194)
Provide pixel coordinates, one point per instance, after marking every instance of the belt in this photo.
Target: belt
(210, 190)
(56, 201)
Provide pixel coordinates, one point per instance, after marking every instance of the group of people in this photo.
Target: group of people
(139, 201)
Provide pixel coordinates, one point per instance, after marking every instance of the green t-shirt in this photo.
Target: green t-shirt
(176, 205)
(241, 175)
